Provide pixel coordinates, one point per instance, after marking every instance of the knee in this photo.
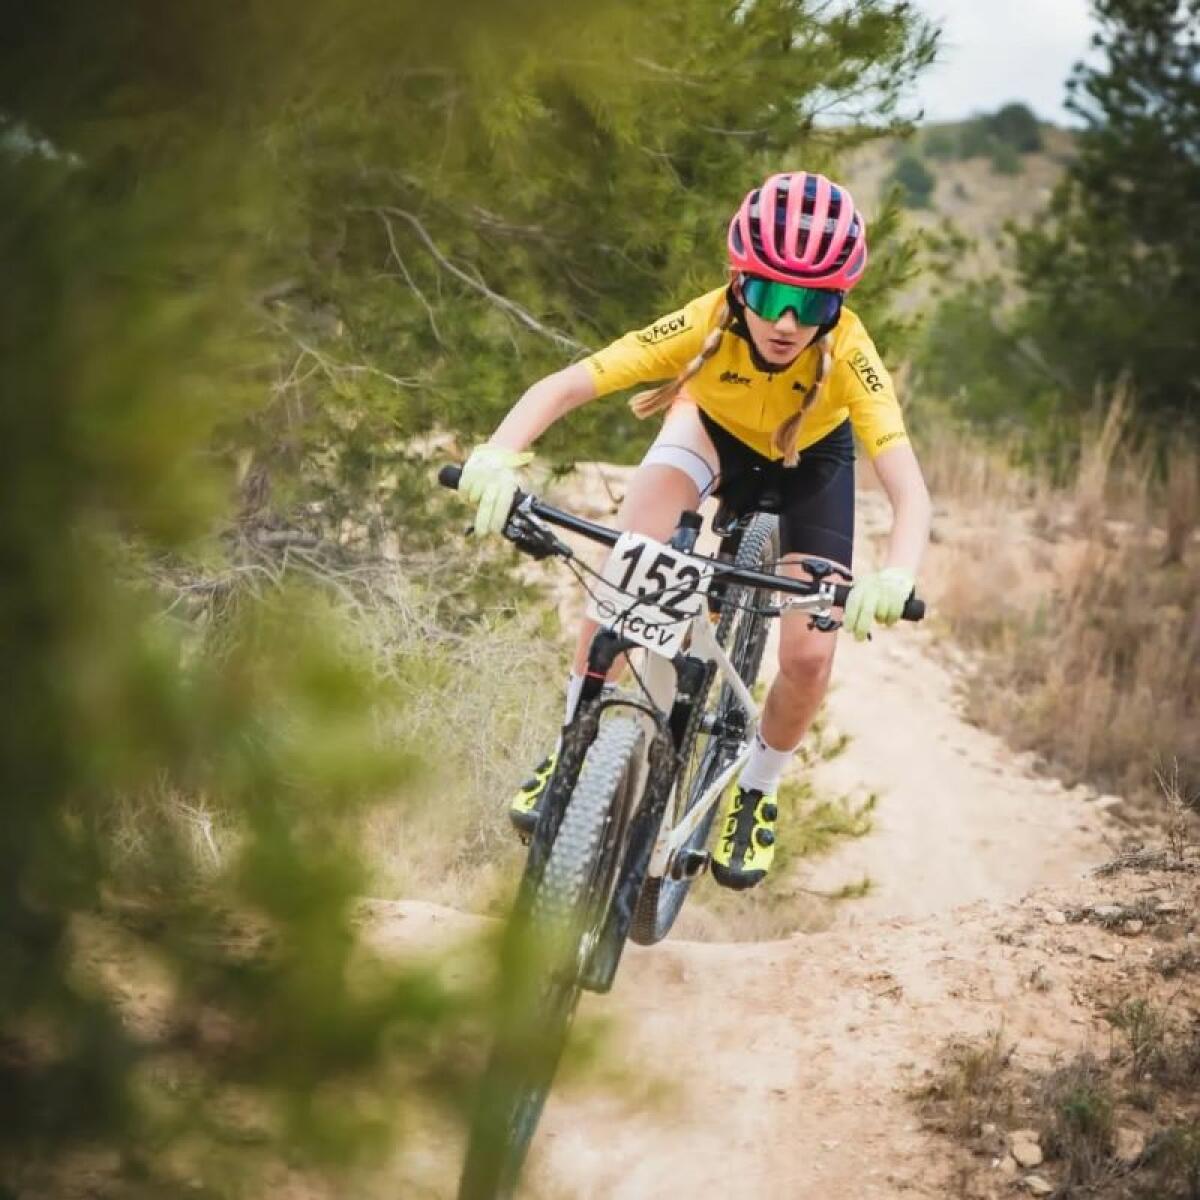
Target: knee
(806, 662)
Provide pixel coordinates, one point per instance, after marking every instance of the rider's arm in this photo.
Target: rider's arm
(900, 474)
(862, 383)
(659, 351)
(543, 404)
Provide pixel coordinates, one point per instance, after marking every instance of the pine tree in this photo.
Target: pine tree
(1113, 273)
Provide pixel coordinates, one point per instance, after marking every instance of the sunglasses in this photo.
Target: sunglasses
(771, 299)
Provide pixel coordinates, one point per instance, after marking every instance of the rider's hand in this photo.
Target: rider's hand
(877, 597)
(489, 478)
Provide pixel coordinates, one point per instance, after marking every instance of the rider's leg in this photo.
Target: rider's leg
(745, 849)
(677, 472)
(805, 665)
(817, 522)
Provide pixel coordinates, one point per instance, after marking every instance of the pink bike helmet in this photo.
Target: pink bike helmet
(800, 228)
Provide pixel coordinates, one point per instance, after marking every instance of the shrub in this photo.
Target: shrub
(915, 181)
(1015, 126)
(940, 142)
(1078, 1124)
(1005, 160)
(972, 1086)
(974, 138)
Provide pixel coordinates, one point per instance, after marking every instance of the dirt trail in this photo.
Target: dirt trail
(788, 1064)
(784, 1070)
(960, 817)
(790, 1061)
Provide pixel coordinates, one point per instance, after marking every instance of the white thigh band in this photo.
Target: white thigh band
(695, 466)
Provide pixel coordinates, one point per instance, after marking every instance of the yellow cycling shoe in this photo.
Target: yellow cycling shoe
(523, 809)
(745, 846)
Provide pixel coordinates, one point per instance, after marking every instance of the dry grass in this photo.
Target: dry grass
(482, 700)
(486, 704)
(479, 695)
(1182, 502)
(971, 1089)
(1094, 479)
(1182, 809)
(987, 474)
(1085, 604)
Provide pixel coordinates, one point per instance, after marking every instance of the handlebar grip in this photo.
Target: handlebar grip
(448, 476)
(914, 608)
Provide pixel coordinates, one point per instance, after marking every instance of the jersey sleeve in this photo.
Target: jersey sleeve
(863, 384)
(660, 351)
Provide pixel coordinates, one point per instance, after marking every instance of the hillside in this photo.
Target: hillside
(969, 193)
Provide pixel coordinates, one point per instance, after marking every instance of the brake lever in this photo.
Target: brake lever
(534, 538)
(824, 623)
(822, 568)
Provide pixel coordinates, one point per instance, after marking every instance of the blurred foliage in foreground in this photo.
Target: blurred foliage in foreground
(270, 243)
(1106, 284)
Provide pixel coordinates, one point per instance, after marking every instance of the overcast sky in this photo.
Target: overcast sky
(993, 51)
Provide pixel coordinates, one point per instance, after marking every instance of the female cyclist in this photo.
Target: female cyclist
(767, 377)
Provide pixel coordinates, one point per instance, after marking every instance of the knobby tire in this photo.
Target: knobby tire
(546, 949)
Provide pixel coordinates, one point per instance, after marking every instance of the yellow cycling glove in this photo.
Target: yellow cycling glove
(877, 597)
(490, 480)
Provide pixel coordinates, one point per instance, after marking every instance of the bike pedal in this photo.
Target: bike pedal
(687, 864)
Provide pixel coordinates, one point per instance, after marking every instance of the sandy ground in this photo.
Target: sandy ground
(784, 1069)
(960, 817)
(787, 1070)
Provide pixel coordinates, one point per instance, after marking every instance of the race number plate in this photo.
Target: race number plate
(649, 593)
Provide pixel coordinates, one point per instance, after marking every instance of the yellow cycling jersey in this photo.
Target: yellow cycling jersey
(751, 403)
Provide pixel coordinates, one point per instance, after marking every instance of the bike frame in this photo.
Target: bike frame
(656, 828)
(660, 679)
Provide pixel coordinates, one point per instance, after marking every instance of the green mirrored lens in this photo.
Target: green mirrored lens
(771, 299)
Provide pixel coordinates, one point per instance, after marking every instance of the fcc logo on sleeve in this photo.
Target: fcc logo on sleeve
(867, 372)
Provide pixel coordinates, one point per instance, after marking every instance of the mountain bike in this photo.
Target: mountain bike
(625, 821)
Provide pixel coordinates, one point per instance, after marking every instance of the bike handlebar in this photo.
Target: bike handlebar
(448, 476)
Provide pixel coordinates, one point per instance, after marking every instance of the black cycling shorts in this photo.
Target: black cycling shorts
(814, 499)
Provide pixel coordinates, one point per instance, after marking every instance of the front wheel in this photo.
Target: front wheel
(544, 954)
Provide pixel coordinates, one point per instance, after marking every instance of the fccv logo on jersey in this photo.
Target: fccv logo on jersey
(663, 330)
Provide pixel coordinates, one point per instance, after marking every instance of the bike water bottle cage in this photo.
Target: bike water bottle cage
(770, 299)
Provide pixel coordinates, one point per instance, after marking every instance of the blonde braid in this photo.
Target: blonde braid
(784, 438)
(646, 404)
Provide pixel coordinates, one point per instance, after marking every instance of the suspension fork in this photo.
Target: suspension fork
(663, 765)
(577, 738)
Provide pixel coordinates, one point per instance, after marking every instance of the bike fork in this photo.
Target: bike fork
(663, 765)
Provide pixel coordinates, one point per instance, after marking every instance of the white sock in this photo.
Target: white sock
(764, 768)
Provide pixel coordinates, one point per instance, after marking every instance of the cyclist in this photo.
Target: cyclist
(767, 377)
